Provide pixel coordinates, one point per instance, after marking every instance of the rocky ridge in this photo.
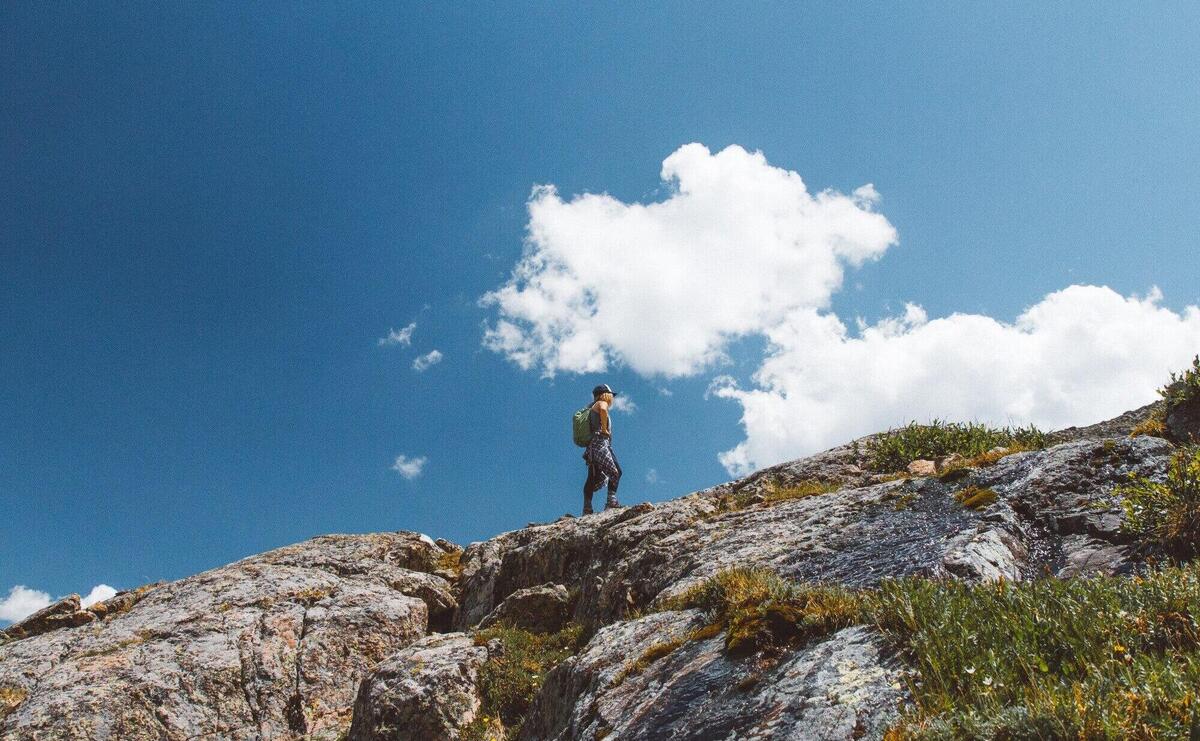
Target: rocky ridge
(370, 635)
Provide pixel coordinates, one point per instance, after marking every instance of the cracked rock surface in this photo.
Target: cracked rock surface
(272, 646)
(840, 687)
(280, 645)
(425, 691)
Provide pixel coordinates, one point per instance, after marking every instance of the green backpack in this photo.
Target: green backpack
(581, 427)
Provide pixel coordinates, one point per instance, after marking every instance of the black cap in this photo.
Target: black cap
(603, 388)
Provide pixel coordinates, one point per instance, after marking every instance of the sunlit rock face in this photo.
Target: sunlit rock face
(304, 641)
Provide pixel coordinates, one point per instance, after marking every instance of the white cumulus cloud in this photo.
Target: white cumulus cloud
(1079, 355)
(663, 287)
(433, 357)
(22, 602)
(99, 593)
(409, 468)
(742, 248)
(401, 337)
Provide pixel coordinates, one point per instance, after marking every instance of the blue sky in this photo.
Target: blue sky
(210, 215)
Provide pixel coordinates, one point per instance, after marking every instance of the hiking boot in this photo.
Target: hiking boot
(612, 503)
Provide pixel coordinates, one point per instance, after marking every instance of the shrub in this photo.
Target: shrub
(895, 449)
(1184, 386)
(1169, 511)
(1105, 657)
(509, 681)
(1154, 424)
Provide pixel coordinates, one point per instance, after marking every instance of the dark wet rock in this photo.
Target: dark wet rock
(840, 687)
(272, 646)
(428, 690)
(1183, 422)
(541, 609)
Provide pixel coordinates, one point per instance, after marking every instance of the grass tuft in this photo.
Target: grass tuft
(509, 681)
(760, 611)
(895, 449)
(1154, 425)
(975, 497)
(1167, 512)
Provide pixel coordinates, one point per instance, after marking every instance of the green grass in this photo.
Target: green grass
(1104, 657)
(1167, 512)
(1099, 657)
(895, 449)
(1184, 386)
(508, 682)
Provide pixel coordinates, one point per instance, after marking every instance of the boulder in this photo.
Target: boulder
(1084, 555)
(841, 687)
(922, 467)
(273, 646)
(1183, 422)
(427, 690)
(64, 613)
(541, 609)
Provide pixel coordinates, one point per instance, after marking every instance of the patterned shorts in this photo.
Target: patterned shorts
(602, 464)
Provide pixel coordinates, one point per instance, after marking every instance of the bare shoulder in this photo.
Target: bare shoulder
(600, 405)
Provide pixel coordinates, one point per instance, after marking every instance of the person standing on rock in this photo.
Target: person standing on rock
(602, 466)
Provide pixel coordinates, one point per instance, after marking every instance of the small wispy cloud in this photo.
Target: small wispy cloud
(433, 357)
(652, 476)
(409, 468)
(401, 337)
(624, 405)
(664, 391)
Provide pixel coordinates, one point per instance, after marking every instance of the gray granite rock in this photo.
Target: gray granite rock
(540, 609)
(275, 646)
(272, 646)
(427, 690)
(840, 687)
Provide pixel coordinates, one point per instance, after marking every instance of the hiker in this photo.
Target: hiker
(602, 464)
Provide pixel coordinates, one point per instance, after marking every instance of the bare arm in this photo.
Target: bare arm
(602, 408)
